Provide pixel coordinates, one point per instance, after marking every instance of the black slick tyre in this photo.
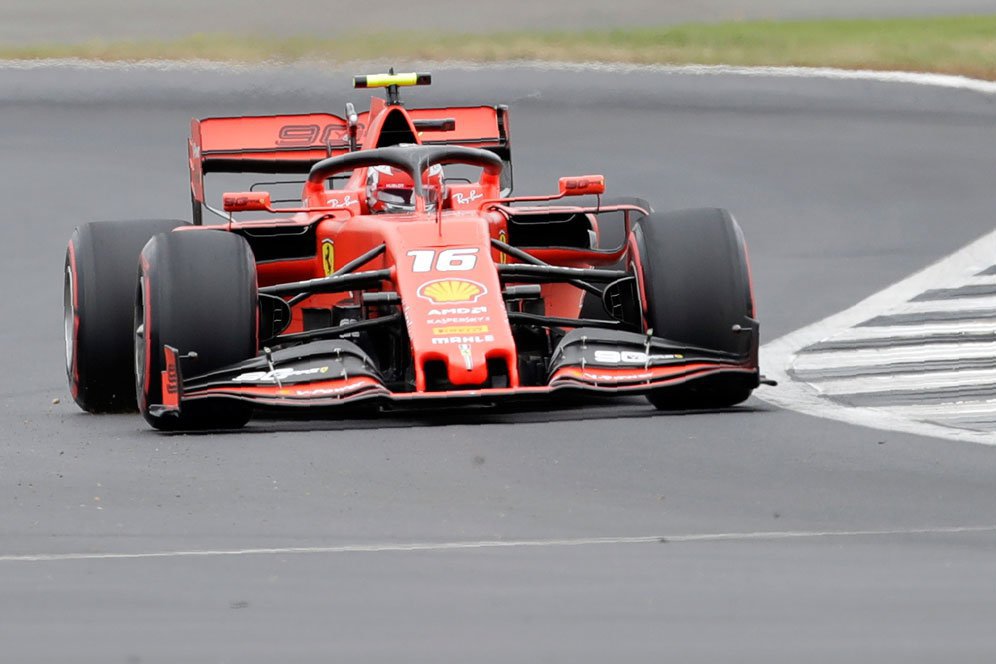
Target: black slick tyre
(697, 292)
(196, 292)
(98, 295)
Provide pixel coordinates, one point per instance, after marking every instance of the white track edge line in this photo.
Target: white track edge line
(879, 358)
(777, 355)
(503, 544)
(906, 380)
(914, 78)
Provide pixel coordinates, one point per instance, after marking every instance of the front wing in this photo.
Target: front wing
(332, 373)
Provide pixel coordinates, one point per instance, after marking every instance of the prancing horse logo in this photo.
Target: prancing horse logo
(328, 257)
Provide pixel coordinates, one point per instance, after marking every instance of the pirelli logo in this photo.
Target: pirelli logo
(459, 329)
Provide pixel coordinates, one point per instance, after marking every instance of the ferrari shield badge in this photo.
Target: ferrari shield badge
(328, 257)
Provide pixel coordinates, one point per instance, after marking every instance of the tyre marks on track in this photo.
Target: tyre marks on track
(919, 356)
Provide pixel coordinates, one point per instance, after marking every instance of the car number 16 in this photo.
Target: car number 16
(447, 260)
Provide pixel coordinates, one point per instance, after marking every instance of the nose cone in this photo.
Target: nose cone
(453, 305)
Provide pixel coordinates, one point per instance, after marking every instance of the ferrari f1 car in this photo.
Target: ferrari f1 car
(393, 283)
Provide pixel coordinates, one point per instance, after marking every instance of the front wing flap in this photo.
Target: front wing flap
(333, 372)
(610, 360)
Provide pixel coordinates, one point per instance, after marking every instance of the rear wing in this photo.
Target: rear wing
(293, 143)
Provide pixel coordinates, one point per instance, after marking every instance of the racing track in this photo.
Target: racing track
(842, 187)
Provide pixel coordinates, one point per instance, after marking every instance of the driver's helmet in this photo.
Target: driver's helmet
(391, 189)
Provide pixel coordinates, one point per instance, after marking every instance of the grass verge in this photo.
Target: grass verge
(956, 45)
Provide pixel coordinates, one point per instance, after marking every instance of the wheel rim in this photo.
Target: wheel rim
(139, 326)
(69, 320)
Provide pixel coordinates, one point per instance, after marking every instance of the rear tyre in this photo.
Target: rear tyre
(98, 296)
(197, 293)
(696, 289)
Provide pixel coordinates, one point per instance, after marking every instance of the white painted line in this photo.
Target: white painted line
(777, 357)
(960, 410)
(137, 65)
(975, 280)
(875, 357)
(903, 77)
(936, 306)
(908, 331)
(503, 544)
(908, 381)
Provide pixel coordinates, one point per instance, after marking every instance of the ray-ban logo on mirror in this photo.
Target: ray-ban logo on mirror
(467, 199)
(343, 203)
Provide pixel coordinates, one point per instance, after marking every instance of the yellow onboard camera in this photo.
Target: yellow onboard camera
(392, 82)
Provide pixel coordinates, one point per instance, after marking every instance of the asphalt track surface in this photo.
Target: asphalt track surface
(26, 21)
(842, 187)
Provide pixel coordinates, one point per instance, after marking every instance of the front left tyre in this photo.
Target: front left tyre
(98, 296)
(696, 291)
(197, 293)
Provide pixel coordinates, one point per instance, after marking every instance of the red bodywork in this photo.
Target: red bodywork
(442, 263)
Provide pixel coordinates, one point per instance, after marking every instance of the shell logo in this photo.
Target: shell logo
(451, 291)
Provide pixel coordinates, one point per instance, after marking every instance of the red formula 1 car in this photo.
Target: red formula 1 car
(391, 281)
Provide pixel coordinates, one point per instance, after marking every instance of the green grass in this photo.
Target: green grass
(956, 45)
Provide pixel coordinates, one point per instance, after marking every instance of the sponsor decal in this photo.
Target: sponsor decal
(172, 383)
(458, 320)
(344, 203)
(462, 199)
(502, 237)
(468, 361)
(631, 357)
(460, 329)
(612, 378)
(349, 335)
(452, 291)
(170, 380)
(475, 339)
(278, 374)
(327, 391)
(459, 311)
(295, 135)
(328, 257)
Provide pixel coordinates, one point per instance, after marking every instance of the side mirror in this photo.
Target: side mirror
(246, 201)
(582, 185)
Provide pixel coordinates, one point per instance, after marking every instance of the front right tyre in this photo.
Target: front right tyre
(196, 292)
